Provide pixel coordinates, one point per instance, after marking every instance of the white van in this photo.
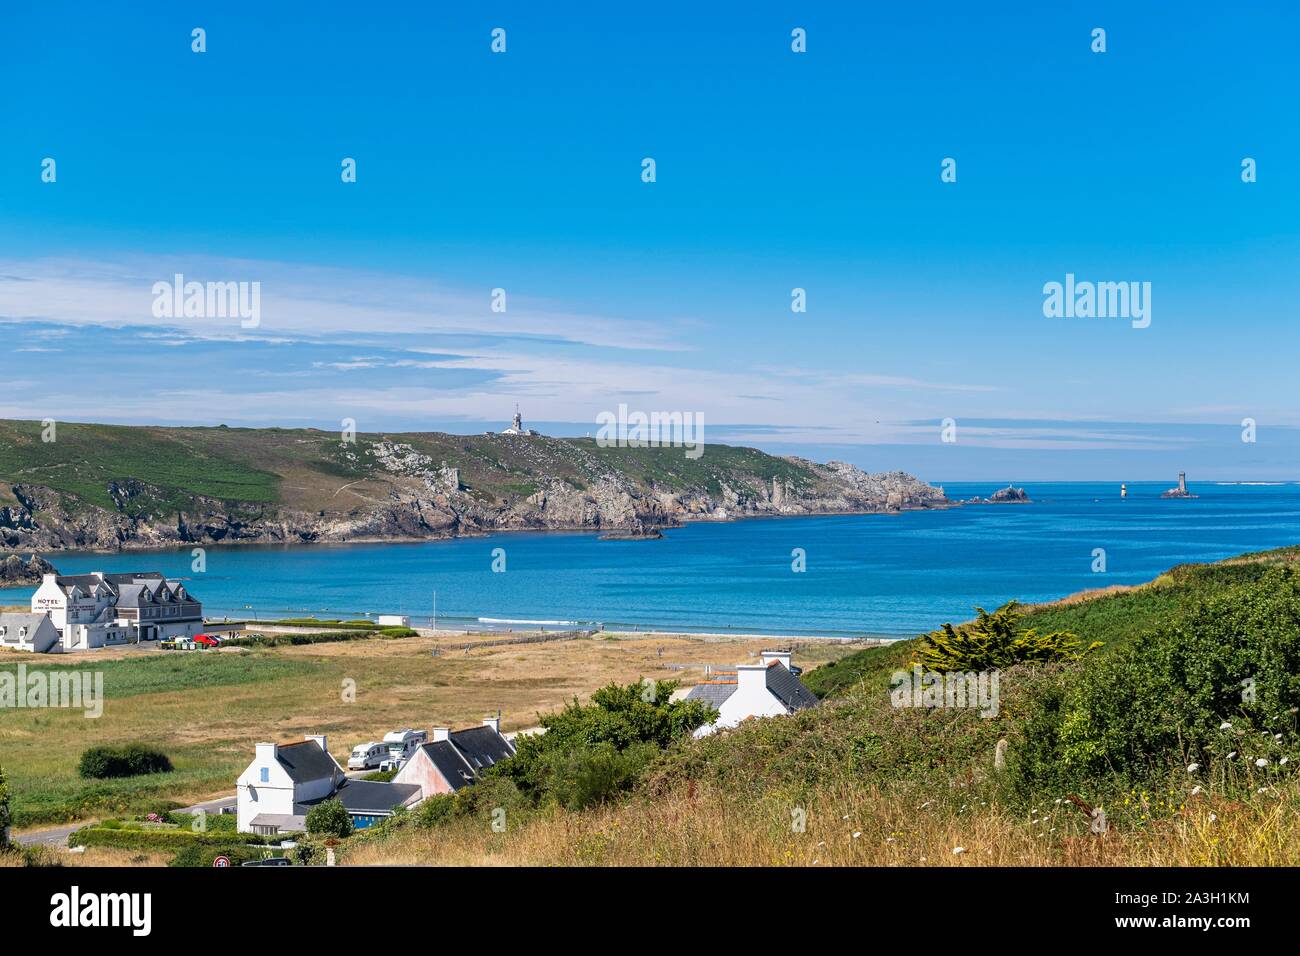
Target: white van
(367, 756)
(401, 744)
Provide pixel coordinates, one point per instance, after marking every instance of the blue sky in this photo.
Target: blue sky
(775, 170)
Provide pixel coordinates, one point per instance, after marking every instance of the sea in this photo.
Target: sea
(884, 575)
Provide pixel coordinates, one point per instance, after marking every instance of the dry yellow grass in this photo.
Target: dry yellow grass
(93, 856)
(850, 827)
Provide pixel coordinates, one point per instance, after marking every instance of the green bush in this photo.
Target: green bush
(434, 811)
(329, 818)
(199, 854)
(592, 752)
(994, 641)
(130, 760)
(1221, 678)
(5, 819)
(158, 839)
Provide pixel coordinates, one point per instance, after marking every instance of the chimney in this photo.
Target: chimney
(782, 656)
(267, 753)
(318, 740)
(441, 733)
(751, 678)
(493, 722)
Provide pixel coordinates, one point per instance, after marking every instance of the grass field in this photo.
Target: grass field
(206, 711)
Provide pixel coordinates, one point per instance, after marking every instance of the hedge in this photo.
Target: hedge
(161, 839)
(130, 760)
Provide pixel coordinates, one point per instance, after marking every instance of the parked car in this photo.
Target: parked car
(392, 763)
(207, 640)
(270, 861)
(367, 756)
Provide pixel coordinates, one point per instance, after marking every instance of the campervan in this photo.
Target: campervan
(401, 744)
(367, 756)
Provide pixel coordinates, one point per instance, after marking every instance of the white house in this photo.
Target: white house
(98, 610)
(28, 632)
(769, 689)
(284, 781)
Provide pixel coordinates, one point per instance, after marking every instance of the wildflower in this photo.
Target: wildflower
(1261, 762)
(959, 849)
(1213, 817)
(1277, 737)
(856, 834)
(1197, 790)
(1225, 726)
(1193, 767)
(1284, 760)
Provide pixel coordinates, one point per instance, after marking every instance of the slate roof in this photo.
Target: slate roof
(481, 746)
(713, 692)
(789, 689)
(17, 619)
(305, 761)
(783, 684)
(453, 767)
(126, 587)
(367, 796)
(466, 753)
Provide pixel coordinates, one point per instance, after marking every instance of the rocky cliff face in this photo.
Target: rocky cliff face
(547, 484)
(15, 572)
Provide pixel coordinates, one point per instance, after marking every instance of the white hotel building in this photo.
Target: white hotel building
(101, 610)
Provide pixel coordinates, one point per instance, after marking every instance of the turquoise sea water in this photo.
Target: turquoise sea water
(894, 575)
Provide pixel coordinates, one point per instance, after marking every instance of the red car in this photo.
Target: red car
(206, 640)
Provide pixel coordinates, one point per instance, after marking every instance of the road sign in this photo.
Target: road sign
(221, 861)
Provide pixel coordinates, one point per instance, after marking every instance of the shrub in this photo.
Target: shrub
(126, 761)
(996, 641)
(591, 752)
(435, 810)
(5, 818)
(1161, 702)
(157, 839)
(199, 854)
(329, 818)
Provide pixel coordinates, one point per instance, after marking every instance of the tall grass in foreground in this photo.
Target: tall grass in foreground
(854, 826)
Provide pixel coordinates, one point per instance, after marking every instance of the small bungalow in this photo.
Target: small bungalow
(29, 632)
(452, 760)
(769, 689)
(284, 781)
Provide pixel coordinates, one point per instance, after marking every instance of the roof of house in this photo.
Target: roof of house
(713, 692)
(789, 689)
(481, 746)
(781, 684)
(127, 587)
(305, 761)
(372, 796)
(466, 753)
(453, 767)
(22, 618)
(284, 822)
